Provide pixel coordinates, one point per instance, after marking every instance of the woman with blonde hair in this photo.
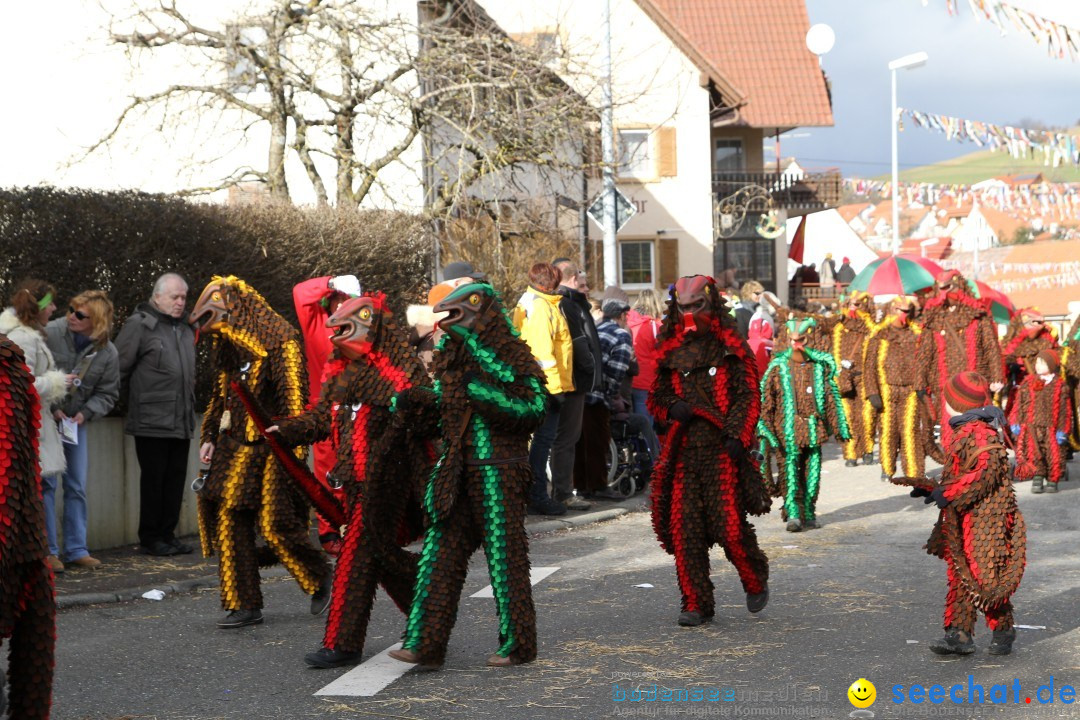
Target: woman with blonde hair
(31, 306)
(80, 343)
(644, 320)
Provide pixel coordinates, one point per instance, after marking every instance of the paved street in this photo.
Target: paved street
(857, 598)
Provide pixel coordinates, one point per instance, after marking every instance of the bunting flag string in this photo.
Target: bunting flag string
(1060, 40)
(1051, 200)
(1053, 148)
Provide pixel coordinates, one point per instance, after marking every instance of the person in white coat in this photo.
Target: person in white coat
(23, 322)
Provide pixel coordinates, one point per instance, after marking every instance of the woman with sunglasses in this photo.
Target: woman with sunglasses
(80, 343)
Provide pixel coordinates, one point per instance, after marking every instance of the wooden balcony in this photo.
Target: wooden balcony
(817, 190)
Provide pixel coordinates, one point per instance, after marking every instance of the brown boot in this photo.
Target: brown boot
(497, 660)
(54, 563)
(409, 656)
(86, 562)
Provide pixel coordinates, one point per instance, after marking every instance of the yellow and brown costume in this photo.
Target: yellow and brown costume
(851, 333)
(246, 491)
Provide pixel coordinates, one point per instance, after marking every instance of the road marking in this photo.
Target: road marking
(535, 575)
(375, 673)
(370, 677)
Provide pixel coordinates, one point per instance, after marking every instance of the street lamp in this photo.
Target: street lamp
(908, 62)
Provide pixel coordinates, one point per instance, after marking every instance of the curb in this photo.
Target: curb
(64, 602)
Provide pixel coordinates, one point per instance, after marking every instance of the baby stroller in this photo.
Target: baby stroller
(629, 459)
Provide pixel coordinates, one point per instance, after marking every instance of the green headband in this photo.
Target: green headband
(44, 302)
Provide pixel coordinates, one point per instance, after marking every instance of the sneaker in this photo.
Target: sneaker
(320, 599)
(240, 618)
(327, 658)
(55, 565)
(547, 506)
(1002, 642)
(1036, 485)
(794, 525)
(811, 524)
(756, 602)
(885, 477)
(576, 503)
(1050, 487)
(955, 642)
(851, 463)
(86, 562)
(181, 548)
(158, 548)
(868, 459)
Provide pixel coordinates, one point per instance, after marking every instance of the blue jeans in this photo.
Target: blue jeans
(640, 405)
(74, 483)
(540, 451)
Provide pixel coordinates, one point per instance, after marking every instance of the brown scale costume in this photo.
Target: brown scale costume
(958, 335)
(27, 604)
(892, 387)
(1041, 420)
(1027, 336)
(379, 461)
(980, 532)
(705, 483)
(1070, 370)
(850, 334)
(246, 490)
(487, 400)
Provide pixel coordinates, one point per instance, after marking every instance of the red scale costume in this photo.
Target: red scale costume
(851, 333)
(980, 532)
(958, 335)
(246, 490)
(1027, 336)
(1041, 420)
(379, 463)
(1070, 370)
(27, 604)
(705, 482)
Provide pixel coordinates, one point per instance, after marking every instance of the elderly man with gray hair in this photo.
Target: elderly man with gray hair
(157, 374)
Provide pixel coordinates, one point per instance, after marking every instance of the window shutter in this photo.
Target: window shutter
(668, 249)
(665, 150)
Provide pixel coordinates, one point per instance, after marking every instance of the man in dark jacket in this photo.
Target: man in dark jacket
(157, 369)
(846, 273)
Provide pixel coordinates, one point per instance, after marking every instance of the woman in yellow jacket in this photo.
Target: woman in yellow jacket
(543, 326)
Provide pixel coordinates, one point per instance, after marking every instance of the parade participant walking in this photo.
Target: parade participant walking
(1028, 335)
(156, 349)
(958, 335)
(1070, 370)
(27, 603)
(1040, 419)
(246, 490)
(850, 335)
(488, 397)
(379, 464)
(315, 301)
(891, 377)
(800, 408)
(980, 532)
(705, 483)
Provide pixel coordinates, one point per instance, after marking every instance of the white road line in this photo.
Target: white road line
(535, 575)
(370, 677)
(374, 674)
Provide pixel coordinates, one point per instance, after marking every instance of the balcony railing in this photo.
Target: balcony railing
(816, 190)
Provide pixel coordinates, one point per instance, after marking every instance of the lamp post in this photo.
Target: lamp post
(907, 62)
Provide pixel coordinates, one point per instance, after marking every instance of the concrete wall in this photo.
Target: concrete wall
(112, 488)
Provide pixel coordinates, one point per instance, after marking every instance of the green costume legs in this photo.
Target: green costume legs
(803, 484)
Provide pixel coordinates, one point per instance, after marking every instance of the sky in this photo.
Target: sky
(973, 73)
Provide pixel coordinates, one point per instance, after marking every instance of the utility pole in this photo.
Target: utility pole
(607, 130)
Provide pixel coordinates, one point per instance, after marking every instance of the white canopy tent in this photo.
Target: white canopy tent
(826, 232)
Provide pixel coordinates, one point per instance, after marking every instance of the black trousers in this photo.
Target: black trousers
(163, 475)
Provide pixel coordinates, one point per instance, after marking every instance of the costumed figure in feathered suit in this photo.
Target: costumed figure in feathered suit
(892, 389)
(1041, 421)
(958, 335)
(980, 532)
(1070, 371)
(379, 463)
(27, 604)
(800, 408)
(1027, 336)
(246, 491)
(850, 334)
(487, 400)
(706, 482)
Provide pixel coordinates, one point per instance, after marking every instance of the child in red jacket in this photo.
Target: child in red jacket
(1041, 421)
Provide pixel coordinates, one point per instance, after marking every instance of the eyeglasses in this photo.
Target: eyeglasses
(79, 315)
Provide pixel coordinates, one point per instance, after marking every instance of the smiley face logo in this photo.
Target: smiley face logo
(862, 693)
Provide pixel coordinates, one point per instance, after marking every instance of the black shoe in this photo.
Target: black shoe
(868, 459)
(241, 618)
(181, 548)
(794, 525)
(1036, 485)
(326, 658)
(320, 599)
(692, 618)
(756, 602)
(955, 642)
(159, 548)
(811, 524)
(547, 506)
(1002, 642)
(851, 463)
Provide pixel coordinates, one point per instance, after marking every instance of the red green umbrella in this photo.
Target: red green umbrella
(895, 275)
(927, 264)
(1001, 307)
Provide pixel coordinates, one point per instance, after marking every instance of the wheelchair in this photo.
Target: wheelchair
(629, 461)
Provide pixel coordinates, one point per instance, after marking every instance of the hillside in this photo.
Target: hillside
(977, 166)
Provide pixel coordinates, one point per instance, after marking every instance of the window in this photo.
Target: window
(750, 258)
(728, 156)
(637, 267)
(635, 160)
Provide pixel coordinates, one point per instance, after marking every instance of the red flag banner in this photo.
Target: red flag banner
(798, 242)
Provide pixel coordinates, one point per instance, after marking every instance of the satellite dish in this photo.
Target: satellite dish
(820, 39)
